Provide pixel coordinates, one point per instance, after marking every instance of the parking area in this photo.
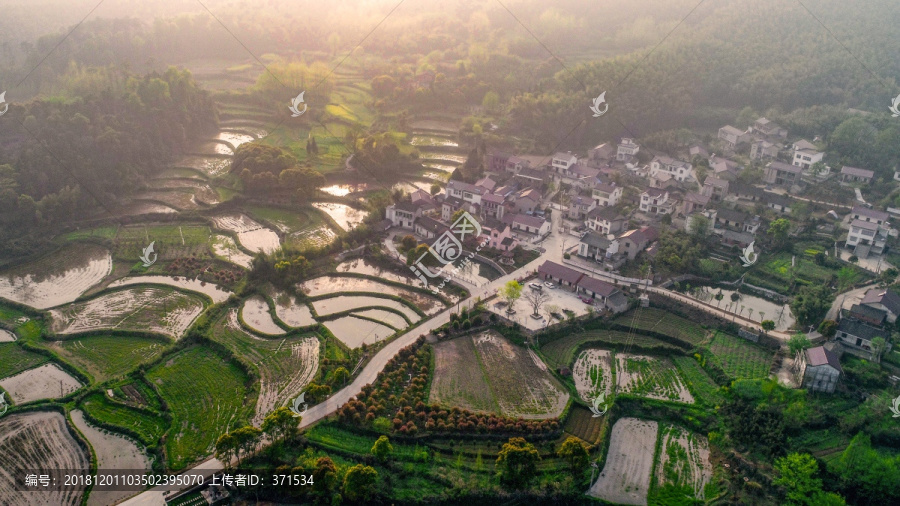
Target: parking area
(560, 298)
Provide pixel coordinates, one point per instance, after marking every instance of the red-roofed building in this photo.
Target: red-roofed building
(820, 369)
(560, 274)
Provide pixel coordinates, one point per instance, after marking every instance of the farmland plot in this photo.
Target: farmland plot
(251, 234)
(341, 303)
(15, 359)
(113, 452)
(6, 336)
(291, 312)
(38, 441)
(651, 377)
(44, 382)
(739, 358)
(224, 246)
(205, 394)
(140, 207)
(255, 313)
(181, 200)
(149, 427)
(625, 478)
(593, 374)
(658, 320)
(561, 352)
(520, 386)
(144, 309)
(344, 215)
(57, 278)
(361, 266)
(386, 317)
(683, 460)
(285, 365)
(105, 357)
(340, 284)
(214, 292)
(354, 332)
(209, 165)
(458, 379)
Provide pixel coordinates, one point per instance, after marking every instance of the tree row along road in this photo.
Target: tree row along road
(377, 363)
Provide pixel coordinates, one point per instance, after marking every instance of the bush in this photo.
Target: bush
(567, 256)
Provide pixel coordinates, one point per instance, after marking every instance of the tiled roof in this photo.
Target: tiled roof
(870, 213)
(786, 167)
(865, 225)
(608, 213)
(820, 356)
(597, 286)
(857, 172)
(857, 328)
(884, 297)
(558, 271)
(529, 221)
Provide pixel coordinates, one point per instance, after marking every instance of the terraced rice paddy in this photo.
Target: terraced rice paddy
(181, 200)
(432, 140)
(201, 192)
(57, 278)
(561, 352)
(255, 313)
(105, 357)
(651, 377)
(663, 322)
(488, 373)
(150, 427)
(345, 216)
(386, 317)
(683, 460)
(439, 157)
(234, 138)
(361, 266)
(342, 190)
(329, 284)
(113, 452)
(625, 478)
(354, 332)
(205, 394)
(209, 165)
(325, 307)
(15, 359)
(39, 441)
(146, 308)
(593, 374)
(251, 234)
(285, 365)
(212, 291)
(43, 382)
(224, 246)
(141, 207)
(291, 312)
(6, 336)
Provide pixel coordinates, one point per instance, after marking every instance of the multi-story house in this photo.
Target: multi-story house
(605, 220)
(606, 194)
(885, 300)
(601, 249)
(806, 154)
(760, 149)
(561, 162)
(527, 200)
(856, 175)
(767, 128)
(656, 201)
(820, 369)
(516, 164)
(634, 241)
(492, 205)
(715, 188)
(693, 202)
(782, 174)
(580, 206)
(602, 153)
(681, 171)
(627, 150)
(709, 215)
(465, 191)
(495, 161)
(733, 136)
(866, 238)
(498, 235)
(403, 214)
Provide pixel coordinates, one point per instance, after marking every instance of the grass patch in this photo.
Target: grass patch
(15, 359)
(148, 427)
(105, 357)
(739, 358)
(207, 396)
(561, 352)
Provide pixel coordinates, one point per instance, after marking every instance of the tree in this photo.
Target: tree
(246, 438)
(878, 346)
(517, 463)
(828, 328)
(510, 292)
(491, 102)
(864, 471)
(324, 477)
(845, 277)
(719, 296)
(779, 229)
(767, 325)
(796, 344)
(359, 482)
(536, 299)
(810, 303)
(699, 225)
(408, 242)
(280, 424)
(316, 393)
(575, 453)
(226, 448)
(435, 189)
(382, 449)
(340, 375)
(797, 474)
(735, 297)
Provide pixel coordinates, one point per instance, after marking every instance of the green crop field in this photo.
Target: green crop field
(561, 352)
(101, 232)
(15, 359)
(149, 427)
(584, 425)
(105, 357)
(207, 396)
(288, 220)
(10, 314)
(332, 436)
(663, 322)
(740, 359)
(171, 241)
(698, 382)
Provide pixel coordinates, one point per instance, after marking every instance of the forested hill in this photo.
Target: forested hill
(58, 154)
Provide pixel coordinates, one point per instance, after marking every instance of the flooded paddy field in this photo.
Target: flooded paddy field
(57, 278)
